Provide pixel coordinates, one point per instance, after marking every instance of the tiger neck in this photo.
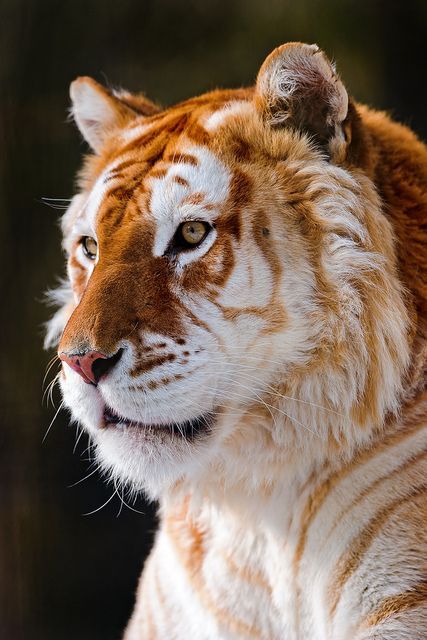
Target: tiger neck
(269, 494)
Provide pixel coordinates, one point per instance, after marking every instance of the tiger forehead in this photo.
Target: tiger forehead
(147, 147)
(165, 177)
(187, 164)
(191, 183)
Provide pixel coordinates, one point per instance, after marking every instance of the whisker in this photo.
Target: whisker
(285, 397)
(124, 503)
(120, 498)
(84, 478)
(55, 203)
(53, 420)
(77, 441)
(276, 409)
(268, 406)
(88, 450)
(90, 513)
(49, 367)
(274, 390)
(48, 393)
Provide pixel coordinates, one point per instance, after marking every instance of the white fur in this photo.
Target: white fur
(220, 117)
(168, 204)
(134, 131)
(94, 111)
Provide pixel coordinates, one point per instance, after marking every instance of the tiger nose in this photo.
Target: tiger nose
(91, 365)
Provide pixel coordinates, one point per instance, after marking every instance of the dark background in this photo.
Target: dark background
(64, 575)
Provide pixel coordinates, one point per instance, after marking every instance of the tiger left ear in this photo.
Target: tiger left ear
(298, 87)
(97, 111)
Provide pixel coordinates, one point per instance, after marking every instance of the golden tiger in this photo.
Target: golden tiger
(243, 336)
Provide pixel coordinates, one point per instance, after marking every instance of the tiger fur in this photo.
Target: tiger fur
(265, 384)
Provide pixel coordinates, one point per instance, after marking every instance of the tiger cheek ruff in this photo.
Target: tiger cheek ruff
(243, 336)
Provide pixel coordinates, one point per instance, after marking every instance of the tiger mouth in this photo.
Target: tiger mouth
(188, 429)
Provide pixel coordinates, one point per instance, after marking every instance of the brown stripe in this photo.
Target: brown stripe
(397, 470)
(351, 559)
(394, 605)
(182, 181)
(179, 158)
(157, 173)
(113, 176)
(246, 574)
(317, 498)
(146, 365)
(260, 224)
(189, 543)
(319, 495)
(274, 314)
(133, 162)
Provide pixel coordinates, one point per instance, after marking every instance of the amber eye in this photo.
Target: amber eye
(90, 247)
(190, 234)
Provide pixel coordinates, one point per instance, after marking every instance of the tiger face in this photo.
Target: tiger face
(230, 270)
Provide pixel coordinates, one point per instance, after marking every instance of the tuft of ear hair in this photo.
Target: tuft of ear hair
(298, 87)
(98, 111)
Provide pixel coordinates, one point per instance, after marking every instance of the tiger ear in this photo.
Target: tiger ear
(298, 87)
(98, 111)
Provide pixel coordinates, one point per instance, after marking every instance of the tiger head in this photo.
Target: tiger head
(231, 275)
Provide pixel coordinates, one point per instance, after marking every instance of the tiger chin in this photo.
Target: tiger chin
(243, 335)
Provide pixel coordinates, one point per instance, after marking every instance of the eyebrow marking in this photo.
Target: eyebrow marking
(113, 176)
(182, 181)
(185, 158)
(157, 173)
(194, 198)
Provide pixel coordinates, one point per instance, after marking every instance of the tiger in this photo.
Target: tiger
(242, 333)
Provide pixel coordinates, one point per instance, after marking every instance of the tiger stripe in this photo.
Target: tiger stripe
(397, 604)
(319, 495)
(348, 564)
(191, 553)
(382, 479)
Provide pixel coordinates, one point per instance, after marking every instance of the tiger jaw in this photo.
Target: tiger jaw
(92, 406)
(187, 429)
(148, 450)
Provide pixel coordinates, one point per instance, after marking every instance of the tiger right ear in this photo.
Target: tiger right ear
(98, 111)
(298, 87)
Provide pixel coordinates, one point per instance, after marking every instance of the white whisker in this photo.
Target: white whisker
(89, 513)
(83, 479)
(273, 389)
(270, 406)
(53, 420)
(77, 440)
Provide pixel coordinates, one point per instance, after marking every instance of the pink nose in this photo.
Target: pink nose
(92, 365)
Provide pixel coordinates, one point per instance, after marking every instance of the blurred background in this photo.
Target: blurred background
(65, 575)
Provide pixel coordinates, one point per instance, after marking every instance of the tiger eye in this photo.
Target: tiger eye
(194, 232)
(90, 247)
